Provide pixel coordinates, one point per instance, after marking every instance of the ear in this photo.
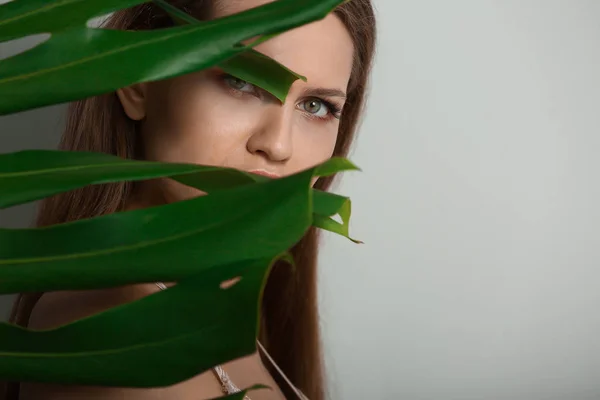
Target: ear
(133, 99)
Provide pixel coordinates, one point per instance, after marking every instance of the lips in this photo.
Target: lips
(266, 173)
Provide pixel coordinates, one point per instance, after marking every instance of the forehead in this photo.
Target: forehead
(322, 51)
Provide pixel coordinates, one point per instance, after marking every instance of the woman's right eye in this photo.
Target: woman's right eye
(239, 84)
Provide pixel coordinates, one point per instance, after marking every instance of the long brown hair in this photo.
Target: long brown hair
(290, 324)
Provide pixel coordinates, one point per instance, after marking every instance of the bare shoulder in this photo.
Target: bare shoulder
(55, 309)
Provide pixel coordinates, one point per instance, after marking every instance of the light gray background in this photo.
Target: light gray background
(478, 205)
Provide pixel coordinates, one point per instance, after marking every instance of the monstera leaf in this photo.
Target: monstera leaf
(167, 243)
(250, 66)
(34, 174)
(243, 224)
(159, 340)
(199, 243)
(78, 61)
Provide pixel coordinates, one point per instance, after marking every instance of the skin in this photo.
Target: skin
(213, 119)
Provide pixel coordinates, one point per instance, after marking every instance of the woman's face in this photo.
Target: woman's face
(211, 118)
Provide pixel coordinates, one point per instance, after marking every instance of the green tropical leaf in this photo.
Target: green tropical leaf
(29, 17)
(159, 340)
(159, 243)
(334, 165)
(178, 16)
(250, 66)
(35, 174)
(327, 205)
(79, 62)
(31, 175)
(166, 243)
(332, 225)
(263, 72)
(234, 231)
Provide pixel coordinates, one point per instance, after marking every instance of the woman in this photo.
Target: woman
(212, 118)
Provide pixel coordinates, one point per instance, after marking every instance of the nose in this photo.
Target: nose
(272, 138)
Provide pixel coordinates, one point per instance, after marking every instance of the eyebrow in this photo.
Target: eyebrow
(325, 92)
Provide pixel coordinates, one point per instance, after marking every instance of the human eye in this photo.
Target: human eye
(320, 108)
(239, 84)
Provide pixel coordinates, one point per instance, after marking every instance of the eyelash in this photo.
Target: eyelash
(334, 110)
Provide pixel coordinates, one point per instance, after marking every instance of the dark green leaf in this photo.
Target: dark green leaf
(159, 340)
(79, 62)
(166, 243)
(251, 66)
(262, 71)
(327, 205)
(30, 17)
(34, 174)
(331, 225)
(178, 16)
(335, 165)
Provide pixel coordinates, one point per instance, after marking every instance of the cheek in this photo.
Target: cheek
(197, 124)
(316, 143)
